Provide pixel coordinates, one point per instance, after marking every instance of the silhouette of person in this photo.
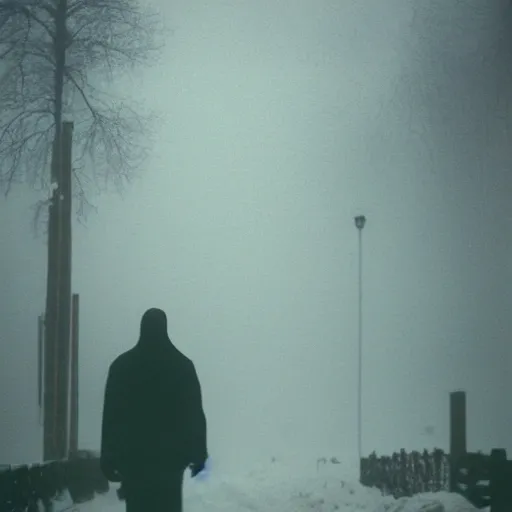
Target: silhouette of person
(154, 425)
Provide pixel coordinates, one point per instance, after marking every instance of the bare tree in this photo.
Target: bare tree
(57, 61)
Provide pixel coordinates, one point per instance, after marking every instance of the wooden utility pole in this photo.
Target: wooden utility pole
(64, 322)
(58, 301)
(50, 347)
(73, 419)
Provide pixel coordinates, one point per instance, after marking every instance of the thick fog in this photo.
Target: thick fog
(280, 122)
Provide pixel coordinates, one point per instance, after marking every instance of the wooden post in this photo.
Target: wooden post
(73, 422)
(500, 491)
(64, 295)
(51, 309)
(457, 434)
(58, 301)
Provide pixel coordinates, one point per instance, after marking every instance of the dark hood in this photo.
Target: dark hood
(153, 329)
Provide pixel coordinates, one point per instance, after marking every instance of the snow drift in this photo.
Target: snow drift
(276, 489)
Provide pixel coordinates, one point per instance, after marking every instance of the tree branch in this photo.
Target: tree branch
(100, 38)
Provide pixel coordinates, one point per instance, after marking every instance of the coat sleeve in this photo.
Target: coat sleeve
(197, 420)
(111, 420)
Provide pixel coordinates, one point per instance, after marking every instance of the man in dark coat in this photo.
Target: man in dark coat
(154, 426)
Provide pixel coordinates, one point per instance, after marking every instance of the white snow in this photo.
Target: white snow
(275, 488)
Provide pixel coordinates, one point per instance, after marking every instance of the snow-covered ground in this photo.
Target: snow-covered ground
(275, 489)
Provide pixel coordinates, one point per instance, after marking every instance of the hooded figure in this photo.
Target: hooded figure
(153, 425)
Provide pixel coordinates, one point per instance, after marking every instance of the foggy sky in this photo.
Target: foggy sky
(281, 122)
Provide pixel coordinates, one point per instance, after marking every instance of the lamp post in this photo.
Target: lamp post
(360, 222)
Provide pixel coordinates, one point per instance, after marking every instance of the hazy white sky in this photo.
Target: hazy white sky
(283, 120)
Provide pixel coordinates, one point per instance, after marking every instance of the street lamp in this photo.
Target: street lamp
(360, 221)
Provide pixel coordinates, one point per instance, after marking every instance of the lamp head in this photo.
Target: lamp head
(360, 221)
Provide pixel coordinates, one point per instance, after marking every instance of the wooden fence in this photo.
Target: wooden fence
(484, 480)
(26, 488)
